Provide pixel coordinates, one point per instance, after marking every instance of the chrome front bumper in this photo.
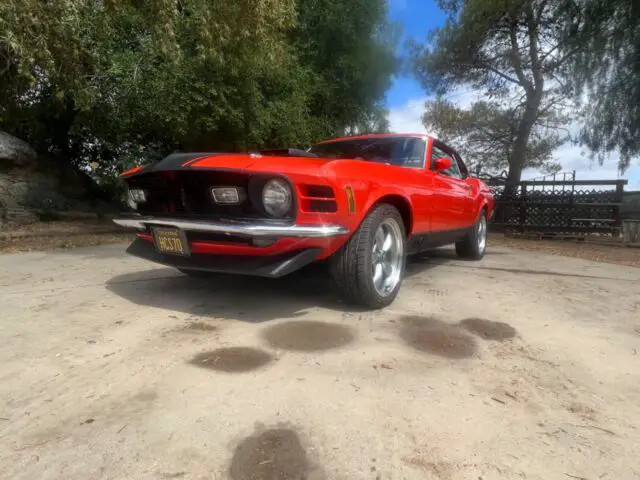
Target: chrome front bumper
(231, 227)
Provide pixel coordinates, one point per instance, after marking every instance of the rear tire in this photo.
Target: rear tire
(367, 271)
(474, 245)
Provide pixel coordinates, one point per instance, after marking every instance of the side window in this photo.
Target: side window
(407, 153)
(454, 171)
(415, 154)
(464, 171)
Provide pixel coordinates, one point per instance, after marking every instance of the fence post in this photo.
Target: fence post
(523, 206)
(619, 199)
(571, 200)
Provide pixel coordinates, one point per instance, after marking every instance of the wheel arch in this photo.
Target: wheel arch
(484, 205)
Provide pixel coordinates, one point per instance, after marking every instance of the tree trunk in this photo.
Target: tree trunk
(518, 154)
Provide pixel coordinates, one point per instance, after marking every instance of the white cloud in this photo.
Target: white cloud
(573, 157)
(408, 119)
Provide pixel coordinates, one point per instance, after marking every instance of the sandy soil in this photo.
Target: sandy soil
(606, 252)
(523, 365)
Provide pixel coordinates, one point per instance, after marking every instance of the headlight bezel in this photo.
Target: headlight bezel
(136, 196)
(283, 187)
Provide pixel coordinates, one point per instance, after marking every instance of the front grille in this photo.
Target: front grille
(188, 193)
(195, 193)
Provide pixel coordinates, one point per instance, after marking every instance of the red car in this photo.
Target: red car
(361, 203)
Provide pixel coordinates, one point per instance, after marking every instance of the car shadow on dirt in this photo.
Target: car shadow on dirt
(430, 259)
(245, 298)
(447, 256)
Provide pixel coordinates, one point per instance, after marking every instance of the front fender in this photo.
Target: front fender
(372, 183)
(367, 197)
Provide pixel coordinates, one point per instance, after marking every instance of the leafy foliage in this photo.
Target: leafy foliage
(508, 50)
(376, 121)
(485, 133)
(606, 65)
(110, 83)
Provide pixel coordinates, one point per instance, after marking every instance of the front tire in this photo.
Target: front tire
(368, 269)
(474, 245)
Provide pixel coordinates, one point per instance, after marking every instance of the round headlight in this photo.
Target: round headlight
(136, 196)
(131, 202)
(277, 198)
(126, 198)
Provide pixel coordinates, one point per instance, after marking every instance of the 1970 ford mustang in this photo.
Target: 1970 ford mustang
(360, 203)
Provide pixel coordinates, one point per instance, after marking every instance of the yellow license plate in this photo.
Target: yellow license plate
(171, 240)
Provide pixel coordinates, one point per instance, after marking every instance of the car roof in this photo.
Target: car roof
(375, 135)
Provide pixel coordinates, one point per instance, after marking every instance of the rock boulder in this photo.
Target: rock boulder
(31, 188)
(15, 152)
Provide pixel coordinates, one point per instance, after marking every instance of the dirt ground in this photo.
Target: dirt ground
(607, 252)
(46, 236)
(521, 366)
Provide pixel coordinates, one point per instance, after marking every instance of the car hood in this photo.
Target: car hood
(235, 161)
(255, 163)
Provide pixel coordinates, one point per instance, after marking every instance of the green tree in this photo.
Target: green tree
(83, 77)
(109, 83)
(375, 121)
(506, 49)
(603, 47)
(485, 134)
(349, 46)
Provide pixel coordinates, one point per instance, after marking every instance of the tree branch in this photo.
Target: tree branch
(515, 58)
(549, 52)
(541, 8)
(532, 31)
(492, 136)
(549, 126)
(563, 85)
(553, 65)
(543, 110)
(503, 75)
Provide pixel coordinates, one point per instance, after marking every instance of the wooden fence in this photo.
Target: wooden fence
(631, 206)
(563, 206)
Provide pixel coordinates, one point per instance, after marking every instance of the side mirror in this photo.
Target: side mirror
(443, 163)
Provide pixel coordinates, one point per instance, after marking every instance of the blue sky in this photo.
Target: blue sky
(417, 17)
(406, 97)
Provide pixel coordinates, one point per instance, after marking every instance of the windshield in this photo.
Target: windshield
(402, 151)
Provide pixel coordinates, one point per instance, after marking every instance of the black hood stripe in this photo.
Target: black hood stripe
(175, 161)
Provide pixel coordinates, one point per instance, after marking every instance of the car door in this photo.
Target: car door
(410, 154)
(470, 211)
(452, 193)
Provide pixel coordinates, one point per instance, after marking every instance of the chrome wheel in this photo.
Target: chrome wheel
(482, 233)
(387, 256)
